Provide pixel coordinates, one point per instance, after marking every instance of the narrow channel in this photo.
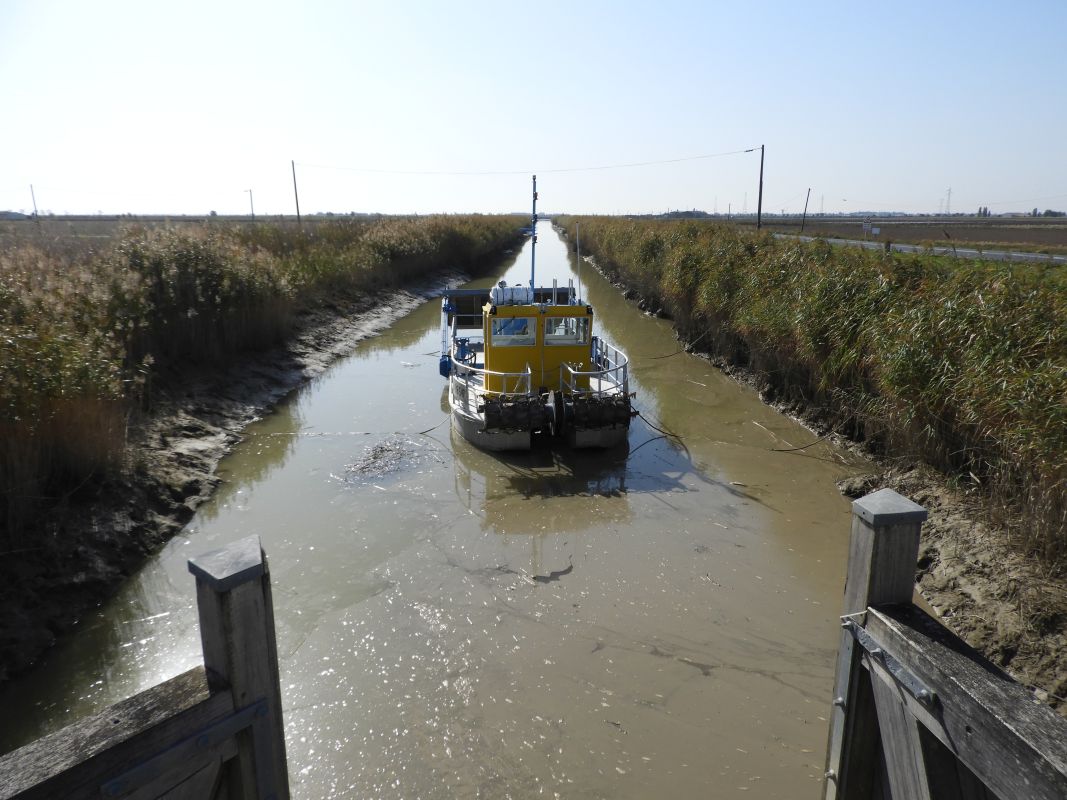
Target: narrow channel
(452, 623)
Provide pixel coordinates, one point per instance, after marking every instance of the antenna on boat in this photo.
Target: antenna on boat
(533, 232)
(578, 247)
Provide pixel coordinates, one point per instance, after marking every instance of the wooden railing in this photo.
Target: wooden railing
(214, 732)
(916, 712)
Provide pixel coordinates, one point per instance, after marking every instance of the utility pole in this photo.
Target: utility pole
(295, 195)
(36, 217)
(759, 206)
(533, 233)
(729, 211)
(948, 203)
(805, 217)
(251, 205)
(578, 250)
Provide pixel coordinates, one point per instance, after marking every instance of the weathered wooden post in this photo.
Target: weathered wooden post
(214, 731)
(240, 652)
(883, 551)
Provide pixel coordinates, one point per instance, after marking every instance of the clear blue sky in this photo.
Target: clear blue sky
(153, 107)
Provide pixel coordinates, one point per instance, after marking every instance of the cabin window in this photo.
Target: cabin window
(514, 331)
(566, 330)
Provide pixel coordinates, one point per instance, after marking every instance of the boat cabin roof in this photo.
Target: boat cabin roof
(467, 306)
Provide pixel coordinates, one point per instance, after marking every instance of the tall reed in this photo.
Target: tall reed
(88, 328)
(960, 363)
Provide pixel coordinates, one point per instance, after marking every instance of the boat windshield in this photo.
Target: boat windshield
(566, 330)
(514, 331)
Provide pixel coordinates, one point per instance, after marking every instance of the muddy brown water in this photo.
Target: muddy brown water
(451, 623)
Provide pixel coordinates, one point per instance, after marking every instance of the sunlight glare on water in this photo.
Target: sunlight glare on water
(451, 623)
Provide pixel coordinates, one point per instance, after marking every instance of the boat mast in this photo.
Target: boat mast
(533, 233)
(578, 248)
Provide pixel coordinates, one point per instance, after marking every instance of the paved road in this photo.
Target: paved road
(959, 252)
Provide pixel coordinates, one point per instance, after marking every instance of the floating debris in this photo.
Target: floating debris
(388, 457)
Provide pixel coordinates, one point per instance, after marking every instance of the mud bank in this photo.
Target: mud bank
(986, 590)
(981, 587)
(89, 543)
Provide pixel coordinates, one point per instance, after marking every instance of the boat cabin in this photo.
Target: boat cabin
(523, 330)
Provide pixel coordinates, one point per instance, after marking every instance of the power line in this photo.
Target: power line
(523, 171)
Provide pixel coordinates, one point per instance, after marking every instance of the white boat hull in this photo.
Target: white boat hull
(464, 398)
(473, 430)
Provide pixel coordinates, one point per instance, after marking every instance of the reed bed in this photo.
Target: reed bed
(88, 327)
(962, 364)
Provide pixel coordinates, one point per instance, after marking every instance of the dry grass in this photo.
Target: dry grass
(87, 325)
(963, 364)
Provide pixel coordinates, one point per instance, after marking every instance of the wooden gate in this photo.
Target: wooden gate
(916, 712)
(214, 732)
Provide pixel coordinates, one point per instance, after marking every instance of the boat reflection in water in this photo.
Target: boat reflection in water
(553, 496)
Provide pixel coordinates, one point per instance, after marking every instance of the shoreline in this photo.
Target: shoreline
(980, 586)
(987, 592)
(173, 453)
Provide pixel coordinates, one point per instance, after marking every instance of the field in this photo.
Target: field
(1027, 234)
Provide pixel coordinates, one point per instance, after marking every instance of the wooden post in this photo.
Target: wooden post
(883, 551)
(237, 632)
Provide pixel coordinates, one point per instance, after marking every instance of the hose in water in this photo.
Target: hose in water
(683, 350)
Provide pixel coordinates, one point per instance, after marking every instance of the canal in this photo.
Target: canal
(656, 619)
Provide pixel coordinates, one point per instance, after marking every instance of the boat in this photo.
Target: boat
(522, 363)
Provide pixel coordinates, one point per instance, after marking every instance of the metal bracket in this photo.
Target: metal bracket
(209, 738)
(901, 674)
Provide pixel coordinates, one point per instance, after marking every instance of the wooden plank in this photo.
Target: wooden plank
(1014, 745)
(970, 787)
(155, 776)
(196, 779)
(74, 762)
(237, 633)
(900, 738)
(883, 549)
(862, 763)
(949, 777)
(274, 699)
(225, 658)
(198, 786)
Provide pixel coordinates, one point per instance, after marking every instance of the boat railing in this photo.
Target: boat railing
(512, 383)
(613, 373)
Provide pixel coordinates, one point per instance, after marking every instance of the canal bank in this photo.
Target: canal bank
(972, 570)
(452, 623)
(173, 455)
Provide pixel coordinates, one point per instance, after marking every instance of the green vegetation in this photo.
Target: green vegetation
(89, 326)
(962, 364)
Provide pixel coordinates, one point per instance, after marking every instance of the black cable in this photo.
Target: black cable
(653, 439)
(683, 350)
(438, 425)
(805, 447)
(666, 434)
